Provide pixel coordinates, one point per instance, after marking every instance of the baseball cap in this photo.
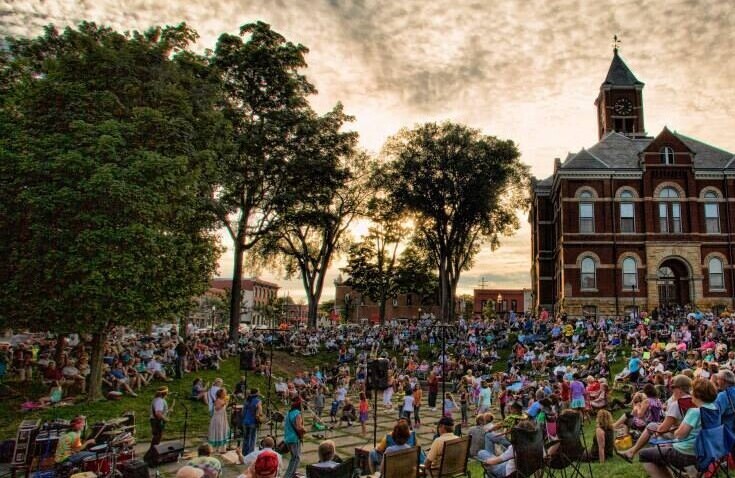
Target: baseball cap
(266, 464)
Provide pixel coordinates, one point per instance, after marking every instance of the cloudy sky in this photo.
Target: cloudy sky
(528, 70)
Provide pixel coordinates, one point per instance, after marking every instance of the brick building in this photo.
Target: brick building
(506, 300)
(634, 221)
(351, 304)
(256, 293)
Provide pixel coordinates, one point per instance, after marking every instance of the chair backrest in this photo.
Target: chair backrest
(569, 431)
(714, 441)
(402, 463)
(343, 470)
(528, 451)
(454, 457)
(685, 404)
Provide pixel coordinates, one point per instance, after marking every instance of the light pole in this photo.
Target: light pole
(214, 309)
(500, 305)
(635, 309)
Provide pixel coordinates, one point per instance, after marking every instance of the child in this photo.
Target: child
(333, 410)
(319, 402)
(463, 406)
(348, 413)
(364, 408)
(449, 405)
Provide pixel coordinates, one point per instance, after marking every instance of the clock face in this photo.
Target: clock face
(623, 106)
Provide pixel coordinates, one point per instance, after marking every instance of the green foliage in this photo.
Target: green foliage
(372, 263)
(461, 188)
(417, 274)
(107, 149)
(489, 311)
(266, 103)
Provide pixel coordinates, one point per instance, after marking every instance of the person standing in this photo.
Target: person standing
(363, 412)
(433, 383)
(219, 429)
(417, 396)
(293, 432)
(251, 410)
(407, 407)
(158, 415)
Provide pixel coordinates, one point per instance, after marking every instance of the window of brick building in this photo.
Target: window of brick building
(630, 274)
(586, 212)
(669, 211)
(627, 212)
(588, 273)
(716, 275)
(667, 155)
(711, 213)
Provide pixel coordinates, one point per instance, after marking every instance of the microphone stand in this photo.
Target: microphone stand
(186, 424)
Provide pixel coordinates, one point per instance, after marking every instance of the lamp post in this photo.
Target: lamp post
(635, 310)
(500, 305)
(214, 309)
(419, 312)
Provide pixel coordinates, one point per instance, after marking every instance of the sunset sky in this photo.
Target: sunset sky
(527, 70)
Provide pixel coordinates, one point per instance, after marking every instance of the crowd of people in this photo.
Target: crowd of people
(675, 361)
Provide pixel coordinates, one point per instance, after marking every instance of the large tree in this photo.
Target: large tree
(107, 143)
(372, 263)
(462, 189)
(266, 102)
(315, 229)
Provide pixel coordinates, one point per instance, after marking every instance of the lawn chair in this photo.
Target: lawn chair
(403, 463)
(454, 460)
(572, 449)
(528, 453)
(713, 445)
(343, 470)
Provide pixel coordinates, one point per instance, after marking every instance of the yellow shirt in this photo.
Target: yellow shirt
(437, 449)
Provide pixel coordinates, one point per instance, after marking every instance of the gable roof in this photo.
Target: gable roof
(583, 160)
(617, 151)
(619, 74)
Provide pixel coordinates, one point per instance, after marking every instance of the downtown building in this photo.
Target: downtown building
(635, 221)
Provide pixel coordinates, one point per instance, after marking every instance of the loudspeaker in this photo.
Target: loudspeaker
(133, 469)
(165, 452)
(247, 360)
(377, 376)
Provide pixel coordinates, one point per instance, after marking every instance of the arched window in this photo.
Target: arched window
(589, 273)
(667, 155)
(586, 212)
(630, 273)
(669, 211)
(711, 213)
(716, 276)
(627, 212)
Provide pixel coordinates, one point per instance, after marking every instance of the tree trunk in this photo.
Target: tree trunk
(313, 310)
(94, 383)
(59, 352)
(382, 311)
(236, 296)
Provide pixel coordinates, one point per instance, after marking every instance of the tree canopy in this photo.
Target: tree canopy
(461, 188)
(108, 143)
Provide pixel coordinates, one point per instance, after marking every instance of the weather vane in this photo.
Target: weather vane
(616, 43)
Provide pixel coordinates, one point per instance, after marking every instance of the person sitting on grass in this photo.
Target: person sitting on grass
(500, 466)
(681, 452)
(603, 441)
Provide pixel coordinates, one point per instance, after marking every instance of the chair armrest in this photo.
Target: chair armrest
(662, 442)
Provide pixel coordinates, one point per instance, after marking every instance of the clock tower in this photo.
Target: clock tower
(620, 102)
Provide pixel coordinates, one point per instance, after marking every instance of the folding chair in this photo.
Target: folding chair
(454, 460)
(343, 470)
(528, 453)
(572, 448)
(403, 463)
(713, 445)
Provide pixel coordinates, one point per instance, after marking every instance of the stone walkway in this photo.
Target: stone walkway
(347, 438)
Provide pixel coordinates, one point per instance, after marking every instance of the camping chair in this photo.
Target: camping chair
(528, 453)
(454, 460)
(343, 470)
(403, 463)
(713, 446)
(572, 449)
